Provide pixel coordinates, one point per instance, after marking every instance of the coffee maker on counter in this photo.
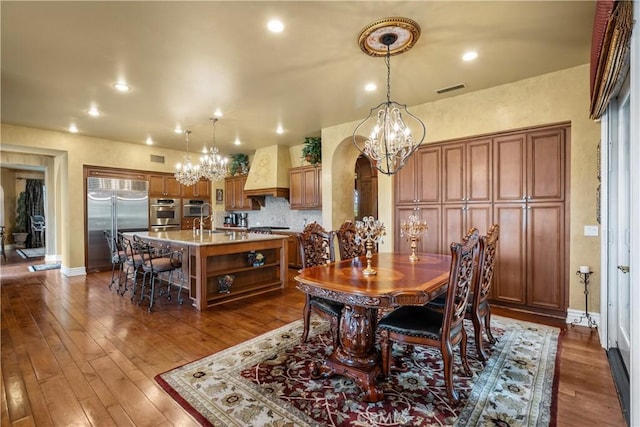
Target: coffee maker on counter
(243, 220)
(236, 220)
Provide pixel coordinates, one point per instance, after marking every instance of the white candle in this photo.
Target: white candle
(584, 269)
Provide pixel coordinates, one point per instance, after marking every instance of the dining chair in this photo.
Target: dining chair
(478, 307)
(159, 260)
(316, 246)
(348, 246)
(420, 325)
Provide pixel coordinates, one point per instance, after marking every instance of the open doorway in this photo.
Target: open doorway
(365, 194)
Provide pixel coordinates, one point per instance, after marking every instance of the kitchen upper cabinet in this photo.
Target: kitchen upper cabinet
(305, 190)
(419, 179)
(467, 171)
(164, 186)
(234, 199)
(530, 166)
(199, 190)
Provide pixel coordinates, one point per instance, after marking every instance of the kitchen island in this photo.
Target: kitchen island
(210, 257)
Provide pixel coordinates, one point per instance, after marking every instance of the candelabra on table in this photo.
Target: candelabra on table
(412, 229)
(369, 231)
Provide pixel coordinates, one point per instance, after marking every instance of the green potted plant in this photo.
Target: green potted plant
(239, 164)
(312, 150)
(20, 228)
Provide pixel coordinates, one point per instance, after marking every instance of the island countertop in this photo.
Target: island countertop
(207, 238)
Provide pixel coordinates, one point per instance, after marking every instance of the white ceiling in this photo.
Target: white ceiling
(186, 59)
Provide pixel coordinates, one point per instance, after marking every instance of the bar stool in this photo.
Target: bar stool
(159, 260)
(118, 257)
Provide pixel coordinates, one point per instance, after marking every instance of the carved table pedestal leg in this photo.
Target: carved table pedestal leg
(356, 356)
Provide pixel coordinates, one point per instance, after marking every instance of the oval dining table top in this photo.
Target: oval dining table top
(397, 281)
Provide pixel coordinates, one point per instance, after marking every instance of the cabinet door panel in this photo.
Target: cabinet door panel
(545, 247)
(453, 224)
(172, 186)
(229, 197)
(405, 182)
(295, 187)
(509, 283)
(509, 166)
(429, 173)
(479, 216)
(310, 189)
(453, 163)
(546, 170)
(478, 171)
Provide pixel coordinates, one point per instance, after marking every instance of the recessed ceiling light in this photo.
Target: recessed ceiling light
(73, 128)
(93, 112)
(237, 141)
(370, 87)
(469, 56)
(178, 129)
(217, 113)
(275, 26)
(149, 141)
(122, 86)
(279, 130)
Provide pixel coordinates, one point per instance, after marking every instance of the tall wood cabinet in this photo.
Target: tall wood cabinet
(530, 207)
(517, 180)
(418, 191)
(466, 188)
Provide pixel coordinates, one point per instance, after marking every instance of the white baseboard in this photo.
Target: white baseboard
(77, 271)
(580, 319)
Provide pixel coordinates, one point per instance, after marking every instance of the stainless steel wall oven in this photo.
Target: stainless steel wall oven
(195, 208)
(164, 214)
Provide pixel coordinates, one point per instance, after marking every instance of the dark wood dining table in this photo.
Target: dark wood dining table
(397, 282)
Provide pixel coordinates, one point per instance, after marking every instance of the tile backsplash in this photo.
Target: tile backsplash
(278, 212)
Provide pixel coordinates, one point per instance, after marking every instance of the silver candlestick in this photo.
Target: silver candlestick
(369, 231)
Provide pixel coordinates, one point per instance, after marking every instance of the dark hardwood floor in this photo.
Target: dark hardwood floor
(75, 353)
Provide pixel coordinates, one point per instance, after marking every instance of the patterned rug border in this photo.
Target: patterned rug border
(319, 327)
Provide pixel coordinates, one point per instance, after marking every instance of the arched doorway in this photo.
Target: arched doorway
(365, 199)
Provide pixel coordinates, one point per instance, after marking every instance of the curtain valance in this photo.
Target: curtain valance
(612, 27)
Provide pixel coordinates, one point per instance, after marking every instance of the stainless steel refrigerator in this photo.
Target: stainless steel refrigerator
(114, 205)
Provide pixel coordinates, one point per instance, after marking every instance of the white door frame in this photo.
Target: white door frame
(634, 154)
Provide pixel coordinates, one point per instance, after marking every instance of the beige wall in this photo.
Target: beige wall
(551, 98)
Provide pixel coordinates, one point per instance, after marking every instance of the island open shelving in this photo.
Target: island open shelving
(218, 254)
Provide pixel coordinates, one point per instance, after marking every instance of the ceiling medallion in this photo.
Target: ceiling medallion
(372, 38)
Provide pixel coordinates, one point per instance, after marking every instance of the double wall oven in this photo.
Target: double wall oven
(164, 214)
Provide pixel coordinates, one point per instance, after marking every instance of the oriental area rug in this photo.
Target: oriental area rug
(266, 382)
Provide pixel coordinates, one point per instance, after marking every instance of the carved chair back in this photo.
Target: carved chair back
(316, 245)
(347, 245)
